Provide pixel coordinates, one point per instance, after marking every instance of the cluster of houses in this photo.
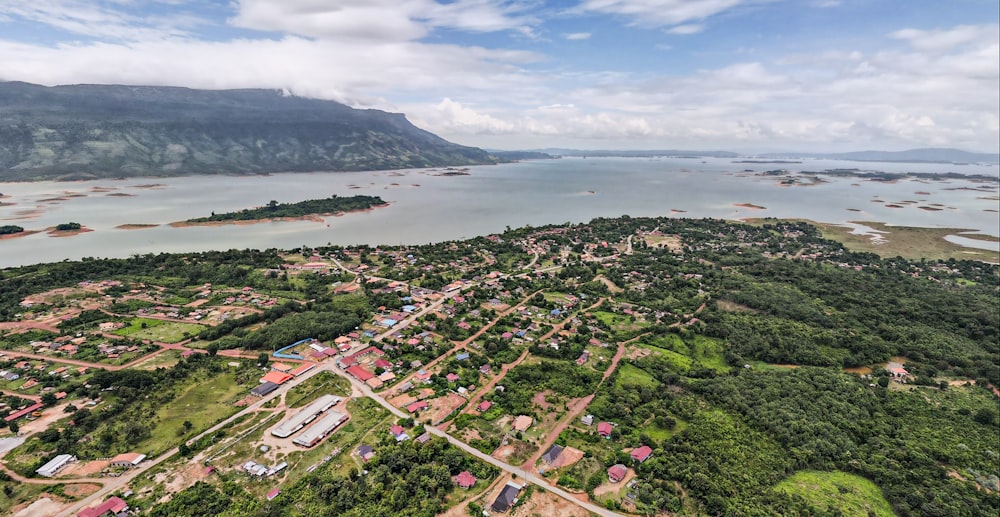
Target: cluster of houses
(280, 373)
(262, 471)
(70, 345)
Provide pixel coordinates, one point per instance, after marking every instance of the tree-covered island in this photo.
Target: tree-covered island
(331, 205)
(10, 229)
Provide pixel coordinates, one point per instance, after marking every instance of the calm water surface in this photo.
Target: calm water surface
(427, 208)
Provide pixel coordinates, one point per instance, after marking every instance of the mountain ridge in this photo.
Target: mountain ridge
(79, 131)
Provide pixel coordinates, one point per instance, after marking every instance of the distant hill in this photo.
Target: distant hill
(83, 131)
(638, 153)
(513, 156)
(928, 155)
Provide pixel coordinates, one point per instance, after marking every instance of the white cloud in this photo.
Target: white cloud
(97, 19)
(653, 13)
(944, 40)
(688, 28)
(922, 87)
(378, 20)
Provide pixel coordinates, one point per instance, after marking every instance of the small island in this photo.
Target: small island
(68, 227)
(10, 229)
(332, 205)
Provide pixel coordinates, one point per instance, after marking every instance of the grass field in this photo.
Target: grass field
(633, 376)
(850, 494)
(906, 242)
(159, 330)
(165, 359)
(203, 402)
(312, 388)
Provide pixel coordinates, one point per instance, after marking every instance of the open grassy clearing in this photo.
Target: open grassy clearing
(165, 359)
(634, 376)
(849, 494)
(159, 330)
(202, 402)
(903, 241)
(323, 382)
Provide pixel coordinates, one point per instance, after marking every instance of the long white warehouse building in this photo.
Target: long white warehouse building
(305, 415)
(320, 429)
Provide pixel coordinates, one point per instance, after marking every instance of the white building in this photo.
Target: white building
(55, 465)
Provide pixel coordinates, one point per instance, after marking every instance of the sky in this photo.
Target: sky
(742, 75)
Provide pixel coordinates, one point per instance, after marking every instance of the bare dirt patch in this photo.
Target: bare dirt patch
(540, 399)
(568, 457)
(445, 406)
(613, 488)
(729, 306)
(402, 400)
(503, 452)
(637, 352)
(81, 470)
(77, 490)
(544, 503)
(42, 507)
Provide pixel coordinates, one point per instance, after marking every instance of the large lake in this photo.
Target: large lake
(428, 207)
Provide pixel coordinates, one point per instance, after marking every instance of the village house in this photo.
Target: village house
(642, 453)
(617, 473)
(127, 460)
(399, 433)
(113, 506)
(465, 479)
(507, 497)
(522, 423)
(366, 452)
(419, 405)
(552, 454)
(605, 429)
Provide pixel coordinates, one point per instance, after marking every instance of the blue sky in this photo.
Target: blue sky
(599, 74)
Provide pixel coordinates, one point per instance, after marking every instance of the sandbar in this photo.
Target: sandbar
(750, 205)
(66, 233)
(135, 226)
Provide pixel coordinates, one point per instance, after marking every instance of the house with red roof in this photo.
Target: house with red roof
(417, 406)
(617, 473)
(642, 453)
(382, 363)
(359, 373)
(112, 506)
(484, 406)
(465, 479)
(604, 429)
(276, 377)
(452, 377)
(399, 433)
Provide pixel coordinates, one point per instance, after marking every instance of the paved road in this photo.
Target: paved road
(113, 484)
(528, 476)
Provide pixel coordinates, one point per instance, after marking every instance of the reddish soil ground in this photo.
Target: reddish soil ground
(544, 503)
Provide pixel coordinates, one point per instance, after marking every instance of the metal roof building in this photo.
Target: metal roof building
(305, 415)
(320, 429)
(55, 464)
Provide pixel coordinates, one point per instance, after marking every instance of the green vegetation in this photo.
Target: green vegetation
(403, 479)
(65, 227)
(852, 496)
(159, 330)
(331, 205)
(738, 338)
(9, 229)
(631, 376)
